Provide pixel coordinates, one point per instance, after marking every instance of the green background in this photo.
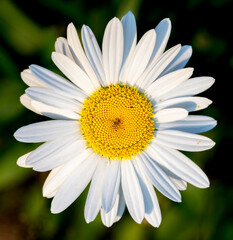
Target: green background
(28, 30)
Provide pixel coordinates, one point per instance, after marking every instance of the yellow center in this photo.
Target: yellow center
(116, 121)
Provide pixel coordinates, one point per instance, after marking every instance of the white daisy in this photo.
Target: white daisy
(118, 123)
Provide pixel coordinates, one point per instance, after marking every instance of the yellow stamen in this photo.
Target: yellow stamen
(116, 121)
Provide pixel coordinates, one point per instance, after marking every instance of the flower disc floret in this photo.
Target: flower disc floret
(117, 121)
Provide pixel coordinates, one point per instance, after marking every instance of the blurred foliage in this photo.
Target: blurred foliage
(28, 31)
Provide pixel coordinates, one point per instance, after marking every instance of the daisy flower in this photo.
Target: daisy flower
(120, 117)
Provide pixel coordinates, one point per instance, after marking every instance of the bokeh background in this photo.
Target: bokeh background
(28, 30)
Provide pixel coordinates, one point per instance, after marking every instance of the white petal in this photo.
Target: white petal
(179, 61)
(94, 54)
(163, 30)
(153, 71)
(121, 205)
(111, 185)
(22, 161)
(108, 218)
(52, 191)
(51, 195)
(152, 210)
(132, 191)
(179, 183)
(139, 58)
(58, 175)
(57, 83)
(170, 115)
(182, 140)
(46, 131)
(62, 46)
(168, 82)
(76, 47)
(130, 34)
(52, 98)
(73, 72)
(192, 86)
(189, 103)
(158, 178)
(53, 112)
(52, 154)
(192, 124)
(30, 79)
(78, 53)
(113, 45)
(180, 165)
(27, 102)
(74, 185)
(60, 157)
(94, 197)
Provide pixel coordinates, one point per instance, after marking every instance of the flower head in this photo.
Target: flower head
(119, 121)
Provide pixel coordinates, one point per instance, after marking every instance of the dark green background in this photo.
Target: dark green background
(28, 30)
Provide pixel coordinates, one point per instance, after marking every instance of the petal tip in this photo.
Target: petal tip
(21, 162)
(55, 209)
(71, 25)
(54, 54)
(168, 20)
(214, 124)
(15, 135)
(165, 23)
(212, 81)
(207, 184)
(188, 48)
(129, 14)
